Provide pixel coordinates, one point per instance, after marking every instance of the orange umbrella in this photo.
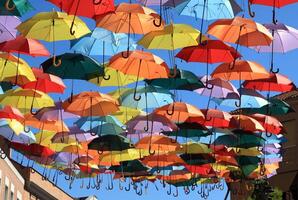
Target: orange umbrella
(159, 143)
(91, 104)
(246, 123)
(141, 64)
(241, 31)
(180, 112)
(271, 124)
(240, 70)
(130, 18)
(162, 160)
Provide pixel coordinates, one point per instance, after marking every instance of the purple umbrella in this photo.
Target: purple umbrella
(271, 148)
(8, 26)
(166, 3)
(74, 134)
(152, 123)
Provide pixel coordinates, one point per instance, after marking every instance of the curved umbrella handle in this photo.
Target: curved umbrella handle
(33, 112)
(7, 7)
(27, 129)
(174, 74)
(274, 71)
(125, 55)
(151, 152)
(186, 190)
(56, 63)
(172, 110)
(159, 21)
(127, 188)
(274, 20)
(176, 194)
(238, 104)
(135, 95)
(251, 13)
(209, 86)
(268, 134)
(169, 192)
(106, 77)
(238, 150)
(71, 31)
(95, 2)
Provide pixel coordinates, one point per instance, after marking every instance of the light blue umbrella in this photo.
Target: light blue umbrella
(151, 98)
(8, 133)
(249, 99)
(206, 9)
(102, 42)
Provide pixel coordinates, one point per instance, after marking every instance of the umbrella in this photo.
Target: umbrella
(184, 80)
(8, 26)
(197, 158)
(240, 31)
(216, 118)
(142, 64)
(33, 150)
(9, 112)
(130, 166)
(130, 19)
(45, 82)
(125, 113)
(271, 124)
(91, 104)
(276, 82)
(246, 123)
(74, 135)
(274, 3)
(49, 125)
(249, 99)
(180, 112)
(244, 141)
(151, 123)
(150, 97)
(51, 27)
(195, 148)
(16, 7)
(102, 42)
(110, 143)
(162, 161)
(120, 156)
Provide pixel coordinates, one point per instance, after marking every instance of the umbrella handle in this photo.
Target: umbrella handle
(175, 72)
(26, 129)
(209, 86)
(274, 71)
(7, 7)
(268, 134)
(251, 13)
(274, 20)
(159, 21)
(100, 152)
(55, 63)
(238, 104)
(186, 190)
(71, 31)
(238, 150)
(151, 152)
(106, 77)
(127, 188)
(33, 112)
(97, 2)
(172, 110)
(125, 55)
(169, 192)
(135, 95)
(176, 194)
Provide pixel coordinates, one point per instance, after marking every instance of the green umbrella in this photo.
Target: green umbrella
(248, 160)
(184, 80)
(15, 7)
(74, 66)
(248, 169)
(197, 159)
(276, 107)
(110, 143)
(130, 166)
(243, 141)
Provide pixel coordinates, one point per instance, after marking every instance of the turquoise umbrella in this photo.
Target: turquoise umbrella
(151, 98)
(102, 42)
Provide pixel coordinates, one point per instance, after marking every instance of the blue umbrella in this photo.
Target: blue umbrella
(102, 42)
(249, 99)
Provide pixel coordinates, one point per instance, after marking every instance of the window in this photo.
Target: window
(19, 196)
(11, 195)
(6, 193)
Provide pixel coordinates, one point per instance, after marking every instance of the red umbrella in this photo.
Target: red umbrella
(33, 149)
(45, 82)
(276, 82)
(246, 123)
(210, 51)
(215, 118)
(205, 170)
(22, 45)
(271, 124)
(9, 112)
(85, 8)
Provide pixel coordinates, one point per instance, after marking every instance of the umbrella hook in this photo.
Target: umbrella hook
(110, 186)
(97, 2)
(106, 77)
(174, 74)
(169, 192)
(120, 186)
(8, 7)
(160, 17)
(251, 13)
(140, 192)
(172, 110)
(151, 152)
(238, 104)
(127, 188)
(55, 63)
(176, 194)
(186, 190)
(274, 20)
(274, 71)
(27, 129)
(136, 87)
(268, 134)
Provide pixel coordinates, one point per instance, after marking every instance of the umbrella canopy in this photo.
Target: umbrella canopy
(16, 7)
(244, 141)
(52, 26)
(8, 25)
(26, 99)
(110, 143)
(210, 10)
(271, 124)
(85, 8)
(173, 36)
(210, 51)
(276, 82)
(180, 112)
(189, 130)
(284, 39)
(161, 161)
(91, 104)
(75, 135)
(130, 166)
(130, 18)
(216, 118)
(184, 80)
(275, 3)
(240, 70)
(73, 66)
(58, 125)
(22, 45)
(45, 82)
(241, 31)
(197, 159)
(33, 150)
(125, 113)
(9, 112)
(246, 123)
(195, 148)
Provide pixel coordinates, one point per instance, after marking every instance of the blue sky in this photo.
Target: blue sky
(286, 63)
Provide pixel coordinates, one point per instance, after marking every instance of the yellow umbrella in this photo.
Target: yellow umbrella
(15, 71)
(194, 148)
(25, 99)
(126, 155)
(173, 36)
(118, 78)
(53, 26)
(125, 114)
(15, 125)
(253, 151)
